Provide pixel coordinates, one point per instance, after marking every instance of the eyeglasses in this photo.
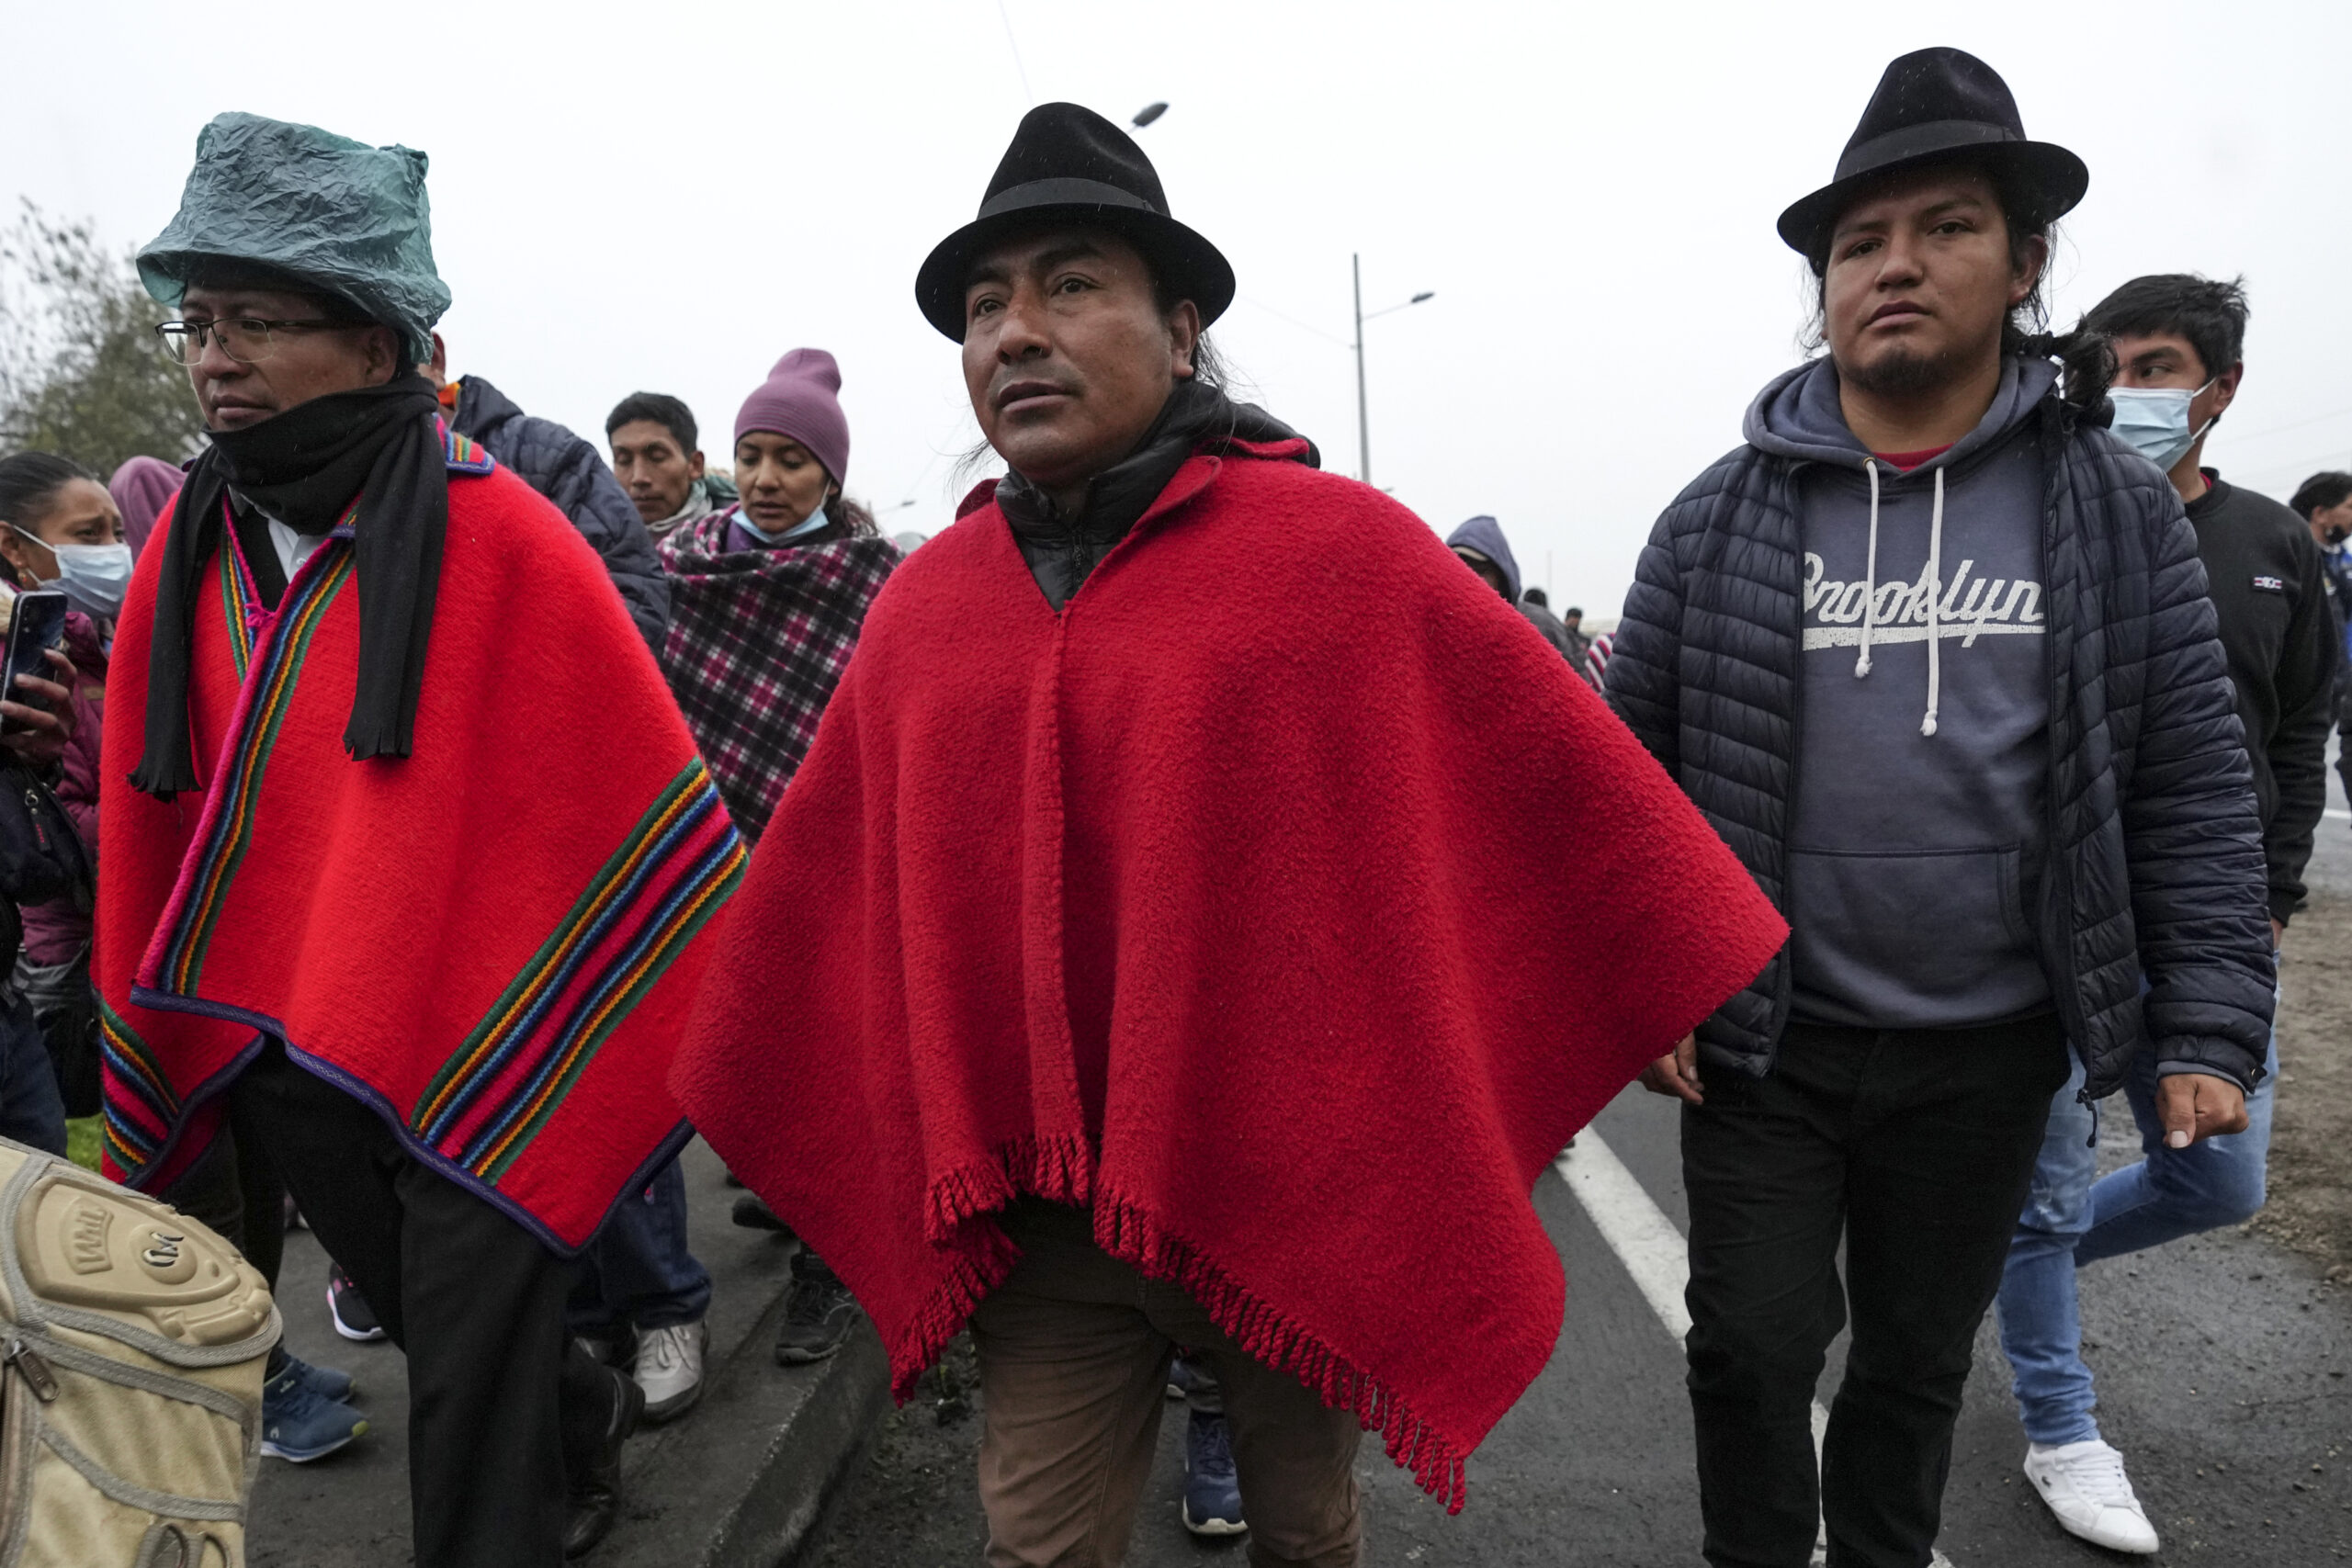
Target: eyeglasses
(245, 339)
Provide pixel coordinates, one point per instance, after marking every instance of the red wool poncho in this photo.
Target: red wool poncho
(1285, 897)
(492, 942)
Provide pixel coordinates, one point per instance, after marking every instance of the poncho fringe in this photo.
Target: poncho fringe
(1060, 1170)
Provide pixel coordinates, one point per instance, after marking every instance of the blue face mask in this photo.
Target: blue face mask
(807, 525)
(2153, 422)
(93, 578)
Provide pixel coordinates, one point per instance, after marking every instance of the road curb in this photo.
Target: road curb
(743, 1480)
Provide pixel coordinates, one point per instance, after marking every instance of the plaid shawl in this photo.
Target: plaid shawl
(758, 639)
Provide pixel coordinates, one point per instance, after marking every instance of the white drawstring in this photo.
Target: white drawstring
(1870, 575)
(1935, 604)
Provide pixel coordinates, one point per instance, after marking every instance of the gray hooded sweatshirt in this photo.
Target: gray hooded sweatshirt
(1917, 814)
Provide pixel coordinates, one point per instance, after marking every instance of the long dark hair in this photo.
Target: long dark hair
(855, 517)
(2085, 357)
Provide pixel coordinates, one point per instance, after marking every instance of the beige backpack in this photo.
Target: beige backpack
(134, 1341)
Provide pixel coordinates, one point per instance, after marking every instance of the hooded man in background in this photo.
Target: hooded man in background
(1480, 545)
(340, 901)
(1136, 907)
(2176, 340)
(1932, 651)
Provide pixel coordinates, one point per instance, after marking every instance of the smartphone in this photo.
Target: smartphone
(36, 625)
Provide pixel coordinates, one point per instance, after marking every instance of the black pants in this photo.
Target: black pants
(1915, 1149)
(499, 1393)
(234, 1188)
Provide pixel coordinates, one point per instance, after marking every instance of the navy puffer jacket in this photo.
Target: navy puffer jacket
(2154, 863)
(570, 472)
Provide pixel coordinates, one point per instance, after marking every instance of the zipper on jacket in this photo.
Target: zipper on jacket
(32, 809)
(31, 1366)
(2054, 878)
(1784, 994)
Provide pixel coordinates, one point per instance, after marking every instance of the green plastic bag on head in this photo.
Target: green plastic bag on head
(336, 214)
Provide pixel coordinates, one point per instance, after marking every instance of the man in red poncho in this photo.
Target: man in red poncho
(1166, 959)
(381, 889)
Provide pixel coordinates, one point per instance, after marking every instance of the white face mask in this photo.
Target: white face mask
(93, 578)
(2153, 422)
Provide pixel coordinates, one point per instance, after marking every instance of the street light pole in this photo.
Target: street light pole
(1364, 407)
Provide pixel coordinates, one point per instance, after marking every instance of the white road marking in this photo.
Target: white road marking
(2339, 815)
(1650, 1246)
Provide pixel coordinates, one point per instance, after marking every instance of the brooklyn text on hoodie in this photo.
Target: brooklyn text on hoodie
(1971, 605)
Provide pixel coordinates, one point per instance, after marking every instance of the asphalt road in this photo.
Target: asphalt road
(2221, 1364)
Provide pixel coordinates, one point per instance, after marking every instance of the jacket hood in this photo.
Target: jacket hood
(481, 408)
(1485, 536)
(1797, 414)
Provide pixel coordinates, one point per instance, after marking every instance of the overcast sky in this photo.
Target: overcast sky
(668, 197)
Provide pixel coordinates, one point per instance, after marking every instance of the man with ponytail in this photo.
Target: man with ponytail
(407, 848)
(2176, 341)
(1933, 653)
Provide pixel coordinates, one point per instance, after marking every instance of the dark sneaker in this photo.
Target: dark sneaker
(752, 1213)
(327, 1382)
(616, 1346)
(354, 1318)
(817, 1313)
(1183, 1377)
(595, 1497)
(1212, 1488)
(299, 1426)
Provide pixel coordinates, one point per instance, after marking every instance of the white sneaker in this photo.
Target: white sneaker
(668, 1368)
(2084, 1486)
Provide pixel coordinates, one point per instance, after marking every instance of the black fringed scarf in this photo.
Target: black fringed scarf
(304, 467)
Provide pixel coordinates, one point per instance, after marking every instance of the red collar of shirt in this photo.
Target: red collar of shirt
(1903, 462)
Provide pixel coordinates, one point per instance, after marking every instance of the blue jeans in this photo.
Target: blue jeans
(638, 1270)
(31, 1110)
(2071, 1220)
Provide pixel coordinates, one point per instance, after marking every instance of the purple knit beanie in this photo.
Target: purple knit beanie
(801, 397)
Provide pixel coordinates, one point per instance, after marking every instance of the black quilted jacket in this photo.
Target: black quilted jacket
(2155, 863)
(570, 472)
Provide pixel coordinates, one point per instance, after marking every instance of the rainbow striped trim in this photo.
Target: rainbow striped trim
(269, 690)
(464, 455)
(498, 1088)
(141, 1109)
(238, 594)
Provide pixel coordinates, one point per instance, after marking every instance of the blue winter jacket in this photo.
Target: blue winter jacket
(2154, 861)
(570, 472)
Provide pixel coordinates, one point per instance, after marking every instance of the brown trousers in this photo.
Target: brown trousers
(1074, 1350)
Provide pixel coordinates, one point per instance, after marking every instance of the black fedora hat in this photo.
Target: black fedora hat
(1938, 106)
(1069, 163)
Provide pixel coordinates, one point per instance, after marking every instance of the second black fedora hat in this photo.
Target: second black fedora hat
(1938, 105)
(1069, 163)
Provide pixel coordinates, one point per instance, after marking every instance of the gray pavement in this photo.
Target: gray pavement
(2221, 1363)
